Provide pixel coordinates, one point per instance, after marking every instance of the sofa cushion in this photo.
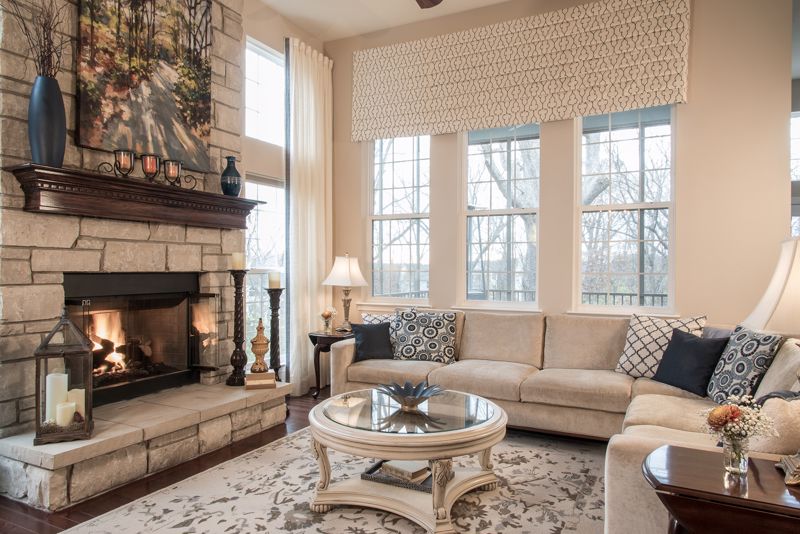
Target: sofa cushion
(388, 371)
(583, 342)
(647, 339)
(487, 378)
(668, 411)
(507, 337)
(744, 361)
(782, 375)
(581, 388)
(425, 335)
(671, 436)
(648, 386)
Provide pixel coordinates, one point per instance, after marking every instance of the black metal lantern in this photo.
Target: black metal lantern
(64, 384)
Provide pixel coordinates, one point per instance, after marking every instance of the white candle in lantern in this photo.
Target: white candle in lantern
(274, 279)
(55, 393)
(237, 261)
(78, 396)
(65, 412)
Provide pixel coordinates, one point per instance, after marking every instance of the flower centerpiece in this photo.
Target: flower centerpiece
(734, 423)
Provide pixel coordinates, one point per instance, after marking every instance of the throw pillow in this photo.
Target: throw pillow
(427, 336)
(377, 318)
(786, 416)
(783, 371)
(372, 342)
(689, 361)
(647, 339)
(744, 361)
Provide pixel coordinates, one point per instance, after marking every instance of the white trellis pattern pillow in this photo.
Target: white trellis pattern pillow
(646, 340)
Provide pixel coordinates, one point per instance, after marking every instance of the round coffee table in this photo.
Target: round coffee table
(369, 424)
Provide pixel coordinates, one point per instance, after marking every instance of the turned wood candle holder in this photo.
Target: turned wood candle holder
(238, 356)
(275, 329)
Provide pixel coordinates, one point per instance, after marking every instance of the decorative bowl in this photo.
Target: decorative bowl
(409, 396)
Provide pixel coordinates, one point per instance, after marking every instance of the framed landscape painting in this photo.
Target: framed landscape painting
(144, 78)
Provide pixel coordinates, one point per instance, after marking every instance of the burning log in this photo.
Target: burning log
(99, 355)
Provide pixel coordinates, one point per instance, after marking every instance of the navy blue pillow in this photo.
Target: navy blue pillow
(372, 342)
(689, 361)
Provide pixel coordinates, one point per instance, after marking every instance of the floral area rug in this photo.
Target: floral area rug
(548, 485)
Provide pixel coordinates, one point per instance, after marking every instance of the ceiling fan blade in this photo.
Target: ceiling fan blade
(425, 4)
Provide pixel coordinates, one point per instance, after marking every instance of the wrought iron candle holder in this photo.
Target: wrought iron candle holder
(123, 163)
(173, 169)
(151, 166)
(238, 356)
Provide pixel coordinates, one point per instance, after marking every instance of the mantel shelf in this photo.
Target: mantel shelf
(91, 194)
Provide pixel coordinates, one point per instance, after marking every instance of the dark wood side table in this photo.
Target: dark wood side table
(692, 486)
(322, 343)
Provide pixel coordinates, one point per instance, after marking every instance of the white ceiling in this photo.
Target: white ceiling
(335, 19)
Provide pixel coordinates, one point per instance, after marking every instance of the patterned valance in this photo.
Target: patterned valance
(601, 57)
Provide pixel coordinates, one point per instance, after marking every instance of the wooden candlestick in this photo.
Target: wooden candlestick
(238, 356)
(275, 329)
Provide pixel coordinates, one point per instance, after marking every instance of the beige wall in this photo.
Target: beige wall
(731, 166)
(270, 28)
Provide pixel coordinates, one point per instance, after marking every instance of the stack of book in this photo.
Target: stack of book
(260, 380)
(406, 470)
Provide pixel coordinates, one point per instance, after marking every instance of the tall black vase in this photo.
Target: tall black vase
(47, 122)
(231, 180)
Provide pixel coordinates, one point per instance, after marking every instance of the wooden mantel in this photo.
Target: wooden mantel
(91, 194)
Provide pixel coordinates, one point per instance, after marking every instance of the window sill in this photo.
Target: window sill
(497, 308)
(391, 305)
(623, 312)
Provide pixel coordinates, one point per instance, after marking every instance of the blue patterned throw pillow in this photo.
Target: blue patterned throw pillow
(744, 361)
(425, 336)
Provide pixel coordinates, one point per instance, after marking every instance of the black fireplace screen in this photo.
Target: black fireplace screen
(150, 335)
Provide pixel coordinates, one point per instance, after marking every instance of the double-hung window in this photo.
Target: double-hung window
(626, 209)
(400, 202)
(501, 214)
(264, 93)
(795, 162)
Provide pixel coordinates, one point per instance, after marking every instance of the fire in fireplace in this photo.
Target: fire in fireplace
(150, 330)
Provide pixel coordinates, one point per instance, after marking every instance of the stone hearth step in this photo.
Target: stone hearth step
(135, 438)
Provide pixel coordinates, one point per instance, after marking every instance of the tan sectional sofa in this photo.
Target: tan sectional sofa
(555, 373)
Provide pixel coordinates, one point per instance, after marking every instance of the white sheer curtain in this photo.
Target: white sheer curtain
(310, 184)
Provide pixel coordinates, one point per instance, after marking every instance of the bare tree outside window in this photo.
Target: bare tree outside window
(400, 223)
(625, 208)
(502, 207)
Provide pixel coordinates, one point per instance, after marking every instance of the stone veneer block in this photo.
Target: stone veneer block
(15, 272)
(276, 394)
(8, 413)
(154, 419)
(65, 260)
(134, 257)
(184, 258)
(173, 437)
(160, 458)
(174, 233)
(19, 378)
(108, 228)
(232, 241)
(273, 416)
(38, 230)
(107, 437)
(17, 347)
(48, 278)
(207, 236)
(46, 489)
(244, 418)
(13, 478)
(246, 432)
(212, 434)
(211, 401)
(91, 243)
(107, 471)
(30, 303)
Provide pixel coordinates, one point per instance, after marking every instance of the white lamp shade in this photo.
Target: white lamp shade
(779, 308)
(345, 273)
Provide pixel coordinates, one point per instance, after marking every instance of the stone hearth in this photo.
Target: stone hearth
(136, 438)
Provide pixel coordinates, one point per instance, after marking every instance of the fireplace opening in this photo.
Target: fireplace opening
(151, 331)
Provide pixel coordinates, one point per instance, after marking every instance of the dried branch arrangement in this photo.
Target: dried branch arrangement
(42, 23)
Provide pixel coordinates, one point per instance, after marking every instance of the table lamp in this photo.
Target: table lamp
(779, 308)
(346, 274)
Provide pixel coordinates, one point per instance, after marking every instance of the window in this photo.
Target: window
(795, 162)
(399, 217)
(264, 93)
(625, 203)
(265, 247)
(502, 201)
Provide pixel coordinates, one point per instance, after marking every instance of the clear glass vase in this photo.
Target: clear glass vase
(735, 452)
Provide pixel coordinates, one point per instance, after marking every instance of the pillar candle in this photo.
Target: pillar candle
(65, 412)
(55, 393)
(78, 396)
(237, 261)
(274, 279)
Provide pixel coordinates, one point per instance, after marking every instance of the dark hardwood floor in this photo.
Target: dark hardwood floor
(16, 518)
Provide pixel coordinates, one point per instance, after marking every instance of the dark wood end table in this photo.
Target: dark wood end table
(693, 487)
(322, 343)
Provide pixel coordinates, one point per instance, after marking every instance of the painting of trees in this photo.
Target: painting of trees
(144, 77)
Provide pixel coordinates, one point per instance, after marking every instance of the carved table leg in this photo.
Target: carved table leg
(441, 473)
(321, 454)
(317, 350)
(485, 458)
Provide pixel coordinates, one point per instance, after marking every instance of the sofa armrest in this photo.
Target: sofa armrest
(342, 354)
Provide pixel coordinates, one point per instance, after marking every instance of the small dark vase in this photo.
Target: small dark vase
(231, 181)
(47, 122)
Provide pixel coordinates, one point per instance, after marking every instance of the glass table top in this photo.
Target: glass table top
(376, 412)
